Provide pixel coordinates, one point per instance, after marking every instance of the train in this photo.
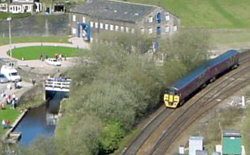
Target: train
(178, 93)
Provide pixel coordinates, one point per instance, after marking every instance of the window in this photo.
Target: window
(83, 19)
(158, 30)
(142, 30)
(116, 27)
(91, 24)
(96, 25)
(74, 18)
(127, 29)
(150, 19)
(101, 25)
(106, 26)
(150, 30)
(167, 29)
(167, 17)
(111, 27)
(175, 28)
(122, 28)
(132, 30)
(73, 31)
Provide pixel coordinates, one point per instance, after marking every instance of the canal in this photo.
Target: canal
(40, 121)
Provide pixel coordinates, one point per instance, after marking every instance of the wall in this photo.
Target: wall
(37, 25)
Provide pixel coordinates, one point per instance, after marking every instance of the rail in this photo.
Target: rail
(57, 83)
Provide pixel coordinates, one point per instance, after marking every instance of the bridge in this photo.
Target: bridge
(56, 85)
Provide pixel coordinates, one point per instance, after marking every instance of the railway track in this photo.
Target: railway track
(160, 131)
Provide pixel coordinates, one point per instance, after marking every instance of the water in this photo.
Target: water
(40, 121)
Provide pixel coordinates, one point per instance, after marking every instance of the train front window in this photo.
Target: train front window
(171, 91)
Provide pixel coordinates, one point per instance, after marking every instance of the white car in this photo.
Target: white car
(53, 61)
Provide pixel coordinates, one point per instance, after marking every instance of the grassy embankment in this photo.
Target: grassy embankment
(226, 20)
(8, 114)
(34, 52)
(207, 13)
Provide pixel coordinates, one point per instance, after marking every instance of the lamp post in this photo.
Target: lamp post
(9, 19)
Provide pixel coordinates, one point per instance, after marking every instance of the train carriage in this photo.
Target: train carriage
(180, 91)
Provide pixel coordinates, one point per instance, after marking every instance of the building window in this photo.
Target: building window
(167, 29)
(158, 30)
(74, 18)
(167, 17)
(175, 28)
(150, 30)
(142, 30)
(111, 27)
(132, 30)
(91, 24)
(101, 25)
(122, 28)
(96, 25)
(73, 31)
(106, 26)
(116, 28)
(83, 19)
(127, 29)
(150, 19)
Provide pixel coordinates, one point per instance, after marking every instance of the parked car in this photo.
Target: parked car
(3, 78)
(10, 73)
(53, 61)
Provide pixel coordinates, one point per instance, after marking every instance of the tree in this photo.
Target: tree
(189, 47)
(118, 86)
(81, 137)
(41, 146)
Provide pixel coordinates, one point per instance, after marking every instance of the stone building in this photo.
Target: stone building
(95, 16)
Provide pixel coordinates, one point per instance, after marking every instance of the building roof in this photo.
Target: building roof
(114, 10)
(232, 145)
(196, 138)
(231, 133)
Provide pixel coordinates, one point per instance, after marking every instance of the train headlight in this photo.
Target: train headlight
(165, 97)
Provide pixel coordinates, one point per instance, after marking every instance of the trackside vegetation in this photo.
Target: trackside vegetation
(118, 85)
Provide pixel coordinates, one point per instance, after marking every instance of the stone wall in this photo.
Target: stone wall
(37, 25)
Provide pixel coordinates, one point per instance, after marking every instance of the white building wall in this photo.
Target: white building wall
(15, 8)
(195, 143)
(3, 7)
(39, 7)
(27, 8)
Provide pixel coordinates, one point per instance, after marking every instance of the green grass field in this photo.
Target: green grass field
(34, 52)
(207, 13)
(8, 114)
